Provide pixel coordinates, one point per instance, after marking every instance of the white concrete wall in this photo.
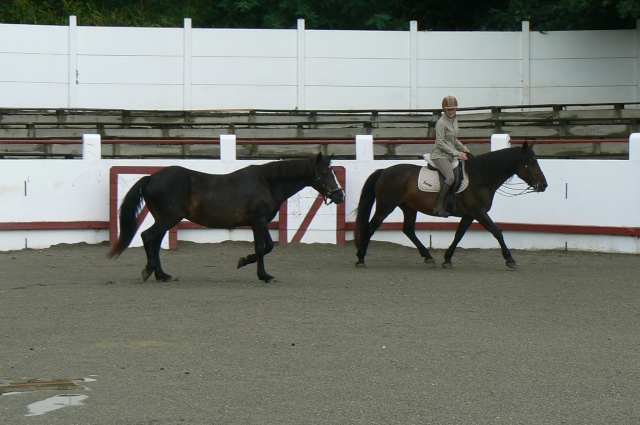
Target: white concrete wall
(587, 193)
(480, 68)
(139, 66)
(34, 71)
(193, 68)
(583, 65)
(235, 69)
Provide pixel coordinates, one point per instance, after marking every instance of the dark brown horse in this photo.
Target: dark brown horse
(250, 196)
(397, 186)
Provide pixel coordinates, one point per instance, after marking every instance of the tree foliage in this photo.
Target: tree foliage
(452, 15)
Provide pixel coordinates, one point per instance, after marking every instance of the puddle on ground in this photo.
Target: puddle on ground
(54, 403)
(10, 387)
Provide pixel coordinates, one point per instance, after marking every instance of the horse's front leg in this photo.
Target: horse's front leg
(488, 224)
(263, 245)
(409, 229)
(463, 226)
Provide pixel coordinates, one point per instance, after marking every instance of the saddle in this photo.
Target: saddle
(430, 180)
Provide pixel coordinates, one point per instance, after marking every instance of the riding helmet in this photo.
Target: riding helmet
(449, 102)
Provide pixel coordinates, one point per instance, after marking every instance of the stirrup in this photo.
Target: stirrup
(441, 212)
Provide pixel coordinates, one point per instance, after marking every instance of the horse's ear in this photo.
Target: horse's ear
(525, 146)
(320, 158)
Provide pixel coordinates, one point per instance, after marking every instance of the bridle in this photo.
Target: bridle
(513, 189)
(532, 176)
(325, 191)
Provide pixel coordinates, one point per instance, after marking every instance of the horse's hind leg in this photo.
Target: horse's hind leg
(382, 211)
(252, 258)
(152, 239)
(409, 229)
(463, 226)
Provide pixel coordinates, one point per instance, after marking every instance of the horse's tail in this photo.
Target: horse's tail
(129, 211)
(365, 204)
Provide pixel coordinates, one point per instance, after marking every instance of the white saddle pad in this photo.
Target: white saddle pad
(427, 157)
(429, 181)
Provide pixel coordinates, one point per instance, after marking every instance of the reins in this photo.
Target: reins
(511, 190)
(325, 188)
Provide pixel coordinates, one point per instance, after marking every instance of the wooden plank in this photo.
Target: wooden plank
(531, 122)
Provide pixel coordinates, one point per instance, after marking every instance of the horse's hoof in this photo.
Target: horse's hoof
(430, 262)
(145, 274)
(512, 265)
(360, 264)
(242, 262)
(447, 265)
(270, 279)
(167, 278)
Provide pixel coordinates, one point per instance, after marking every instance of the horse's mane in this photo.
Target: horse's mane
(290, 169)
(495, 165)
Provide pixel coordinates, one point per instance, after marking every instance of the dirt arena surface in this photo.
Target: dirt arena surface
(555, 342)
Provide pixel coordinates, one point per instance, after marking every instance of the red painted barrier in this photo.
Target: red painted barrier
(280, 224)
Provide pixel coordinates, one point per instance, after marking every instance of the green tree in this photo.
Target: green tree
(452, 15)
(558, 15)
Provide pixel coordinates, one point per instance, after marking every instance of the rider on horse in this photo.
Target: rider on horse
(447, 147)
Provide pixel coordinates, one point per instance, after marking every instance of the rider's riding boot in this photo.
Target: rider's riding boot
(439, 209)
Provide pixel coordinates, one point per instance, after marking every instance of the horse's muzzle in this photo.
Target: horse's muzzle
(541, 186)
(336, 196)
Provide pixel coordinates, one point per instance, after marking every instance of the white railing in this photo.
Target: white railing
(214, 69)
(589, 205)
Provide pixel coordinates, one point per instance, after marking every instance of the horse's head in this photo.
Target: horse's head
(529, 170)
(326, 181)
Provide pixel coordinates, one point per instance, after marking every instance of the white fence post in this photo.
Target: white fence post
(91, 146)
(500, 141)
(634, 147)
(301, 72)
(526, 63)
(364, 147)
(227, 147)
(413, 60)
(638, 60)
(186, 66)
(72, 100)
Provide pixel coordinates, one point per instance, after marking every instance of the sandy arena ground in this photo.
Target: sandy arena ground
(557, 341)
